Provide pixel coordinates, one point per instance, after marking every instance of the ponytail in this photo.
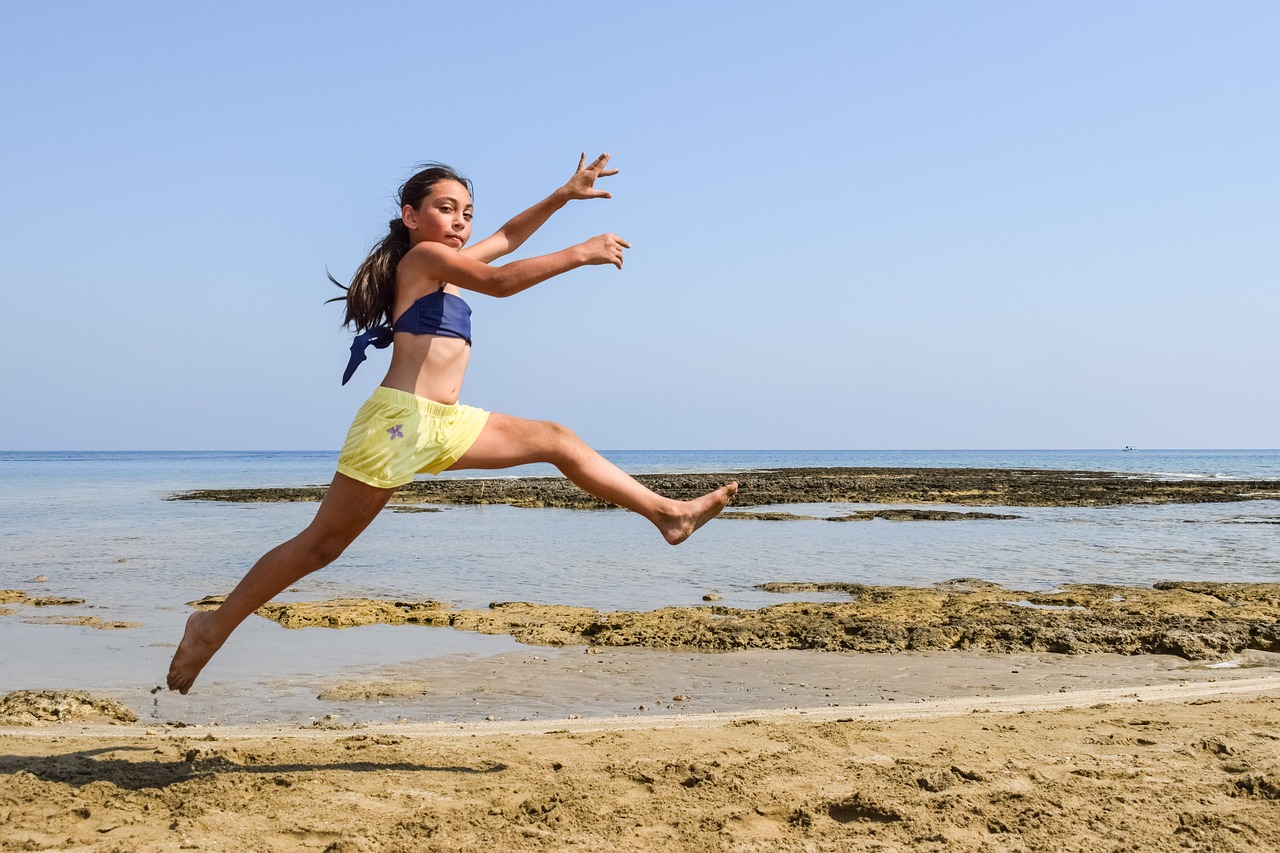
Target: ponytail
(373, 288)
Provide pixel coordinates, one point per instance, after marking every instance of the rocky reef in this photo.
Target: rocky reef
(1189, 619)
(964, 486)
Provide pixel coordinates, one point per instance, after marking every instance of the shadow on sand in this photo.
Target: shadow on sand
(87, 766)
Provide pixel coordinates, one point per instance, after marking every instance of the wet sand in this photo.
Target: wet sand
(1175, 767)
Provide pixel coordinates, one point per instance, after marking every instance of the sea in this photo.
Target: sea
(100, 526)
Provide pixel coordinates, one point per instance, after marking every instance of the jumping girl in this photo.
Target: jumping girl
(413, 423)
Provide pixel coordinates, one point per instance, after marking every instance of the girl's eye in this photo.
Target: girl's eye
(466, 216)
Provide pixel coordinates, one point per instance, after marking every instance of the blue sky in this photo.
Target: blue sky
(855, 224)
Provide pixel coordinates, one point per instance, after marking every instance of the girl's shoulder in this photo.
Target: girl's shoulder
(425, 259)
(417, 263)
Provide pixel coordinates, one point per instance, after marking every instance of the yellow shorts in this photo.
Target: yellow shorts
(397, 434)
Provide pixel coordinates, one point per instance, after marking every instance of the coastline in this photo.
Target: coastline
(954, 716)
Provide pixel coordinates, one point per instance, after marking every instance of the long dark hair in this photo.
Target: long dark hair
(372, 292)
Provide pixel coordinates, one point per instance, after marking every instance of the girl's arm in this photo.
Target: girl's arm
(429, 262)
(510, 236)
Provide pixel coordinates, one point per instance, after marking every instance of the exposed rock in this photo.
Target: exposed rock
(922, 515)
(871, 514)
(85, 622)
(53, 601)
(42, 707)
(1184, 619)
(964, 486)
(17, 596)
(345, 612)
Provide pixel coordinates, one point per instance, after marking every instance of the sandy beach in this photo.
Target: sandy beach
(1167, 767)
(961, 715)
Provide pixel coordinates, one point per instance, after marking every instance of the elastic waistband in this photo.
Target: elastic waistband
(404, 398)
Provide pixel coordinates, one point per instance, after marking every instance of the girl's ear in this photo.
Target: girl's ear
(409, 215)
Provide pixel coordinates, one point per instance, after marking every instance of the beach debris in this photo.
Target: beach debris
(42, 707)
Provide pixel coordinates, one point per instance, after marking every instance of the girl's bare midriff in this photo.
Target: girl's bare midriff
(429, 366)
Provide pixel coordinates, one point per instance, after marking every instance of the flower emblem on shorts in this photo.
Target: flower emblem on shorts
(395, 431)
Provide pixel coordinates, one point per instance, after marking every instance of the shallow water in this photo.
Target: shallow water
(97, 526)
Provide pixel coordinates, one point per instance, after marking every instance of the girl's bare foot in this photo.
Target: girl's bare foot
(693, 514)
(199, 642)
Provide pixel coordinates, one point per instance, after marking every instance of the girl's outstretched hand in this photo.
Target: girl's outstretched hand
(605, 249)
(583, 182)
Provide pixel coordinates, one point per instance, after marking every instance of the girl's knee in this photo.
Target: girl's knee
(558, 439)
(560, 433)
(319, 550)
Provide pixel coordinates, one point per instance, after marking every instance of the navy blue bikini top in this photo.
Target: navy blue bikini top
(437, 313)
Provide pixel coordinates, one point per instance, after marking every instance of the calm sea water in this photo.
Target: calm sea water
(98, 527)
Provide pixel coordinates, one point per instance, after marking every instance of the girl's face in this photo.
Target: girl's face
(443, 217)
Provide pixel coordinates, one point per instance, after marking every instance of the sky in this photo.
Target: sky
(855, 225)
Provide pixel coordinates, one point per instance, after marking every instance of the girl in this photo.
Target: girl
(413, 423)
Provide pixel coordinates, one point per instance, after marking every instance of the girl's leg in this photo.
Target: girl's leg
(347, 509)
(508, 441)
